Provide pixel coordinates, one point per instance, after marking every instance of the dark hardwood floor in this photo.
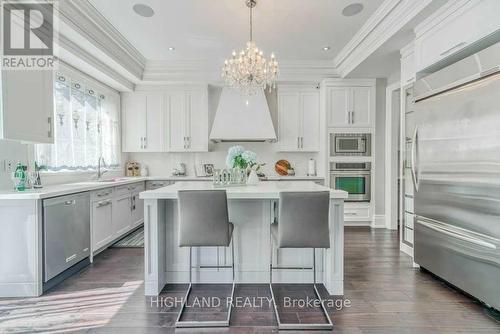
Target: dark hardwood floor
(386, 294)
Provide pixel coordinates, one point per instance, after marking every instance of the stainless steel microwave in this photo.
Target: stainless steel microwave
(350, 144)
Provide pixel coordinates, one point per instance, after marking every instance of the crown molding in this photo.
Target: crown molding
(77, 55)
(407, 49)
(387, 20)
(84, 18)
(437, 17)
(158, 71)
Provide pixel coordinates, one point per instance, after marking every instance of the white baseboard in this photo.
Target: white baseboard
(378, 221)
(358, 223)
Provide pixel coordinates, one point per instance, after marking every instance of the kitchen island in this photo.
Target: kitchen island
(251, 210)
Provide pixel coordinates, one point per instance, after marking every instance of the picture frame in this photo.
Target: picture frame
(209, 169)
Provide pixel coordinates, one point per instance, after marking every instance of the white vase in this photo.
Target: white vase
(252, 179)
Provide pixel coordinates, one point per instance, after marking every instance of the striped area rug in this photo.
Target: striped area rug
(132, 240)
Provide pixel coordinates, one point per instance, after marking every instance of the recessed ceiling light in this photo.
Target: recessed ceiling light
(143, 10)
(326, 48)
(352, 9)
(171, 48)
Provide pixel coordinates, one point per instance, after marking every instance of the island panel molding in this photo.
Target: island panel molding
(251, 211)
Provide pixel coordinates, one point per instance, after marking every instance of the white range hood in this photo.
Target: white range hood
(242, 119)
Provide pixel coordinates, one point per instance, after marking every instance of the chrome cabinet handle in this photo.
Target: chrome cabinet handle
(71, 202)
(184, 142)
(414, 161)
(103, 194)
(145, 142)
(103, 203)
(49, 132)
(349, 117)
(188, 142)
(298, 142)
(444, 53)
(301, 142)
(352, 117)
(142, 144)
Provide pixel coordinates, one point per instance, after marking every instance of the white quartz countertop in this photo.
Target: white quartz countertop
(65, 189)
(71, 188)
(263, 190)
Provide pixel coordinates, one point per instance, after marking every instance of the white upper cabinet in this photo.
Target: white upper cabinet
(455, 26)
(143, 119)
(408, 74)
(170, 120)
(350, 106)
(176, 121)
(298, 119)
(289, 121)
(27, 106)
(154, 137)
(188, 120)
(133, 119)
(361, 106)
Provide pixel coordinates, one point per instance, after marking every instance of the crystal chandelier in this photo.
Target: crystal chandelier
(249, 71)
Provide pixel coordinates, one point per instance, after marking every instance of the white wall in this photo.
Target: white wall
(13, 152)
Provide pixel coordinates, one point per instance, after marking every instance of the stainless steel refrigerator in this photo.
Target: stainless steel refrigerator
(455, 163)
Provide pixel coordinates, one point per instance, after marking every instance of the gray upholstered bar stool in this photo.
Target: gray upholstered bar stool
(204, 222)
(303, 223)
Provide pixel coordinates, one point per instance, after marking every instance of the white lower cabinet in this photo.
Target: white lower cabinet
(102, 224)
(137, 208)
(357, 213)
(122, 214)
(115, 212)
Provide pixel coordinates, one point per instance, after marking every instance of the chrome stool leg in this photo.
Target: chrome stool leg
(291, 326)
(215, 323)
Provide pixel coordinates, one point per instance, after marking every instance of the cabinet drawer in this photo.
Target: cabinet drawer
(157, 184)
(356, 213)
(128, 188)
(101, 194)
(409, 219)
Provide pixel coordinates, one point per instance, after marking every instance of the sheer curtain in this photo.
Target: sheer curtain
(86, 128)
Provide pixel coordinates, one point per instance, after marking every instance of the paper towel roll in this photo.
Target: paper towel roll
(311, 167)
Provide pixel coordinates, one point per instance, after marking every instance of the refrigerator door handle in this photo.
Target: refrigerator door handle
(414, 149)
(456, 235)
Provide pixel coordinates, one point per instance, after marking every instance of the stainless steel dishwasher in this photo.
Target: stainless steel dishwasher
(66, 232)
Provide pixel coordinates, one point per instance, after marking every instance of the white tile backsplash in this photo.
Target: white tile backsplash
(163, 163)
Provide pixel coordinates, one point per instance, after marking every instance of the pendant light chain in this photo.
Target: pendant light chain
(251, 24)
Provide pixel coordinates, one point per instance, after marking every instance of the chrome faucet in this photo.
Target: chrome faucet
(100, 164)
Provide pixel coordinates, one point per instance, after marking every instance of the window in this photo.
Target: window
(86, 127)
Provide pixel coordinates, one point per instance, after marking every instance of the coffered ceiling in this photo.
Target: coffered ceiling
(210, 30)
